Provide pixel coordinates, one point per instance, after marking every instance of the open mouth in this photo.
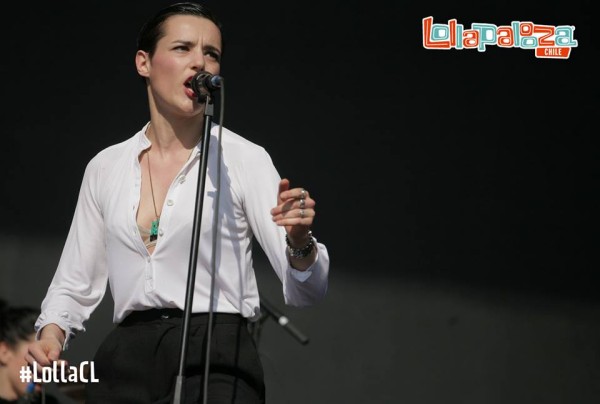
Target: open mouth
(188, 85)
(188, 82)
(191, 92)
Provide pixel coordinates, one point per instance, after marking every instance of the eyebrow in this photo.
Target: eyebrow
(190, 43)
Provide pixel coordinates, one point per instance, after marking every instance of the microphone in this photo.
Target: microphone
(204, 82)
(283, 321)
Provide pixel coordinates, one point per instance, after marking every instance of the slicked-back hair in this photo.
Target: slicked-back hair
(152, 30)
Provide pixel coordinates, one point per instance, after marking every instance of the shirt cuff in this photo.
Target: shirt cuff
(62, 320)
(302, 276)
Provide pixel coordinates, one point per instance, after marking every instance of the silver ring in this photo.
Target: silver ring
(302, 194)
(301, 213)
(302, 203)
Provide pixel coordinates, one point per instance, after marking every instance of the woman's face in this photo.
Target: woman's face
(190, 44)
(14, 358)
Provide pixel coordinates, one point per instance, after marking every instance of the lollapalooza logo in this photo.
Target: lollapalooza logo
(548, 41)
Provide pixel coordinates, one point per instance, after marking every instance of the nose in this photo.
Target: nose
(198, 61)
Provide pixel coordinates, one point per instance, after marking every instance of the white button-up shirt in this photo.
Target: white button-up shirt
(104, 243)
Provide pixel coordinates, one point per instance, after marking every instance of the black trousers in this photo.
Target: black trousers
(138, 362)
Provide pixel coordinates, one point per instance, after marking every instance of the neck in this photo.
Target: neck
(173, 137)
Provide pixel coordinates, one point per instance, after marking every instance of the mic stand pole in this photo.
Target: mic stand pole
(191, 280)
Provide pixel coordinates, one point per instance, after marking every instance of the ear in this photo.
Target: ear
(142, 63)
(5, 353)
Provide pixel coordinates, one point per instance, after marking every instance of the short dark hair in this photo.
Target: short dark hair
(16, 323)
(152, 31)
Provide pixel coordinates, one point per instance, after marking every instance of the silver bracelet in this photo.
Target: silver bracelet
(300, 252)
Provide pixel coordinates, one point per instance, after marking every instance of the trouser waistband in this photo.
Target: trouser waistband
(145, 316)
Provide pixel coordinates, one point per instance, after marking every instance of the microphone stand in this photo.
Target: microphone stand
(280, 319)
(191, 280)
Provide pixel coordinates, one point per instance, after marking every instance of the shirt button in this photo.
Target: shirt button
(182, 179)
(161, 232)
(170, 202)
(148, 259)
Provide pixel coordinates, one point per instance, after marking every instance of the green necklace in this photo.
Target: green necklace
(155, 222)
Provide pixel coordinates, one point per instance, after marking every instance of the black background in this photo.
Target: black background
(471, 165)
(475, 169)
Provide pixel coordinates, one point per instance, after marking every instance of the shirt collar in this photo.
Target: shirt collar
(144, 142)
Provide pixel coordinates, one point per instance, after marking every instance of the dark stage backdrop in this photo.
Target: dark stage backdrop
(477, 165)
(468, 168)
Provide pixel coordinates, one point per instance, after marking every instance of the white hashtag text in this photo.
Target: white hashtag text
(59, 373)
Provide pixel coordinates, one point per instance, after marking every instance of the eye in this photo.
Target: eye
(181, 48)
(214, 55)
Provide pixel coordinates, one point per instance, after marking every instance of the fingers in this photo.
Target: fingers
(294, 193)
(30, 359)
(294, 206)
(43, 352)
(296, 216)
(37, 353)
(291, 213)
(54, 353)
(284, 185)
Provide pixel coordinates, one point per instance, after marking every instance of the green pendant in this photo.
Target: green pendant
(154, 229)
